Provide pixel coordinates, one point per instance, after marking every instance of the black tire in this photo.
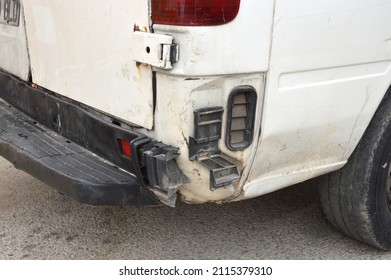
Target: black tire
(357, 198)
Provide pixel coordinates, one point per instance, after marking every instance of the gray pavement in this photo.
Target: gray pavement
(37, 222)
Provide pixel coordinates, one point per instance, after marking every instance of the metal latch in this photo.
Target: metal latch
(155, 49)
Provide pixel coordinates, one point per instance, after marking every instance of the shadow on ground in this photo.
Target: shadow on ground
(37, 222)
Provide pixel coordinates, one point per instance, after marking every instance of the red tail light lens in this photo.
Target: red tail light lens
(194, 12)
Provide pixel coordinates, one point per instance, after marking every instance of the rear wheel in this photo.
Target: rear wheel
(357, 198)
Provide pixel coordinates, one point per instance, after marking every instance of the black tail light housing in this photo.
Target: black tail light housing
(241, 115)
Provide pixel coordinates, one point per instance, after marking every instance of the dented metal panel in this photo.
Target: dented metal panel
(82, 50)
(322, 89)
(177, 99)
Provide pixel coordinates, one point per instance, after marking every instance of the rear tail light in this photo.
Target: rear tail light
(241, 115)
(194, 12)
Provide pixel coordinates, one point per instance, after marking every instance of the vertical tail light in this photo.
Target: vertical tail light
(194, 12)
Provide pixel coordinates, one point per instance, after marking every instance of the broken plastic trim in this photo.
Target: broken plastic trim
(222, 171)
(204, 147)
(162, 172)
(207, 132)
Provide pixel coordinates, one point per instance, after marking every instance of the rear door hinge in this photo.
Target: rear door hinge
(155, 49)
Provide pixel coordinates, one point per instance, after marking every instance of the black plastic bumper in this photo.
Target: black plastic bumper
(69, 147)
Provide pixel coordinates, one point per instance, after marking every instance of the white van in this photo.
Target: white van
(138, 102)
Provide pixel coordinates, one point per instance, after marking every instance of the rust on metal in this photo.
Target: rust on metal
(136, 27)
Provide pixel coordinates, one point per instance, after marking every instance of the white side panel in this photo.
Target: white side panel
(330, 67)
(81, 49)
(13, 47)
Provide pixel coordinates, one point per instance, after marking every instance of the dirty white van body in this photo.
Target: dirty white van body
(216, 100)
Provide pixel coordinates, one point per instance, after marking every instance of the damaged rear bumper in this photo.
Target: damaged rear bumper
(76, 150)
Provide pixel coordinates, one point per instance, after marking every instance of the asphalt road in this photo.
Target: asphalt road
(37, 222)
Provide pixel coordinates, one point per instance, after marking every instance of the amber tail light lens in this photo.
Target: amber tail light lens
(194, 12)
